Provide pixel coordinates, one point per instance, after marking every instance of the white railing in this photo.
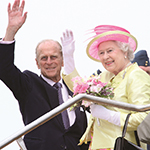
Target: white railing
(41, 120)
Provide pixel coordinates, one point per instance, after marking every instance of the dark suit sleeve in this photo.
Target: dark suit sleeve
(85, 146)
(14, 79)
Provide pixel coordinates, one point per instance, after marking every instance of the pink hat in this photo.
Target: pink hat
(106, 33)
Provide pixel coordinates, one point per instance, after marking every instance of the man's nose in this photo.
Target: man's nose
(48, 60)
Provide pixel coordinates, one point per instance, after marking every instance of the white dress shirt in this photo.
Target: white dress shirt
(65, 95)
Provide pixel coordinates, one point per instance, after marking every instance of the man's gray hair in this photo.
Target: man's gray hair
(47, 40)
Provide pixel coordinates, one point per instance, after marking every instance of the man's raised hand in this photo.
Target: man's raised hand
(16, 18)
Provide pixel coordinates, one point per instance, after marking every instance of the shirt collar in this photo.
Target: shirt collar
(50, 81)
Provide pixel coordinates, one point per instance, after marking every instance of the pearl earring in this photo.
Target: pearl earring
(125, 57)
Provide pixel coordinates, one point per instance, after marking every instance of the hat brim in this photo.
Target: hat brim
(92, 47)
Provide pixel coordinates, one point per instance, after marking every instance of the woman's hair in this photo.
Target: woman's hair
(125, 47)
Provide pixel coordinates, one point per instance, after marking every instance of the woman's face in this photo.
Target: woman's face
(112, 58)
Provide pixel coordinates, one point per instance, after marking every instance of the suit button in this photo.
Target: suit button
(63, 147)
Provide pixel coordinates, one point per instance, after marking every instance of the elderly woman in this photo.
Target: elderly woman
(114, 47)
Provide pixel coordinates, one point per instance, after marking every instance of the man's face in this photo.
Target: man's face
(49, 60)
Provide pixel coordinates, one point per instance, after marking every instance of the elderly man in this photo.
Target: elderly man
(38, 95)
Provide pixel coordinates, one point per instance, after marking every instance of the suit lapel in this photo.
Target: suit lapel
(52, 99)
(77, 112)
(69, 92)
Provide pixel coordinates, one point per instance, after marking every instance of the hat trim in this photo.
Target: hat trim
(104, 34)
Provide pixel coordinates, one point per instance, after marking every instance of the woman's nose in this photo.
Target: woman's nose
(106, 55)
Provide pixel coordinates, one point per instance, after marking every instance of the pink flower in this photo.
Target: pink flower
(76, 89)
(92, 86)
(84, 88)
(80, 88)
(97, 88)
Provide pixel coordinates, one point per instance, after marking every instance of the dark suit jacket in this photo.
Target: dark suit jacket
(36, 97)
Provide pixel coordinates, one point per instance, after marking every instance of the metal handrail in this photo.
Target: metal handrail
(43, 119)
(21, 143)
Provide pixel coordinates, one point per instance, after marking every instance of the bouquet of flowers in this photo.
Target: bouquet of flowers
(92, 86)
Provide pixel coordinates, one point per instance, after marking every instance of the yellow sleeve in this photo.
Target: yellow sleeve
(68, 79)
(138, 93)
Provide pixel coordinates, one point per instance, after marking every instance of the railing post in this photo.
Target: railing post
(21, 143)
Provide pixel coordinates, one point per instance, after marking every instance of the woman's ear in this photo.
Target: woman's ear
(125, 55)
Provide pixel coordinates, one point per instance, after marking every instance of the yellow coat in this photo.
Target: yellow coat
(133, 88)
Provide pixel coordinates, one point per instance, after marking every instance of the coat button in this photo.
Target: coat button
(63, 147)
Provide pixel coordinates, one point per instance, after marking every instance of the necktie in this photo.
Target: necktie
(64, 114)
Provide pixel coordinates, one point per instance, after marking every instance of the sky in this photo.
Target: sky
(48, 19)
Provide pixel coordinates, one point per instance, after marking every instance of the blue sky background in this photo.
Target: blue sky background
(48, 19)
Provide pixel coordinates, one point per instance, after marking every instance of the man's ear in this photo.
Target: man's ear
(37, 63)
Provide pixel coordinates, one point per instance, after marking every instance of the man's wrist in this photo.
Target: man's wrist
(5, 42)
(10, 34)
